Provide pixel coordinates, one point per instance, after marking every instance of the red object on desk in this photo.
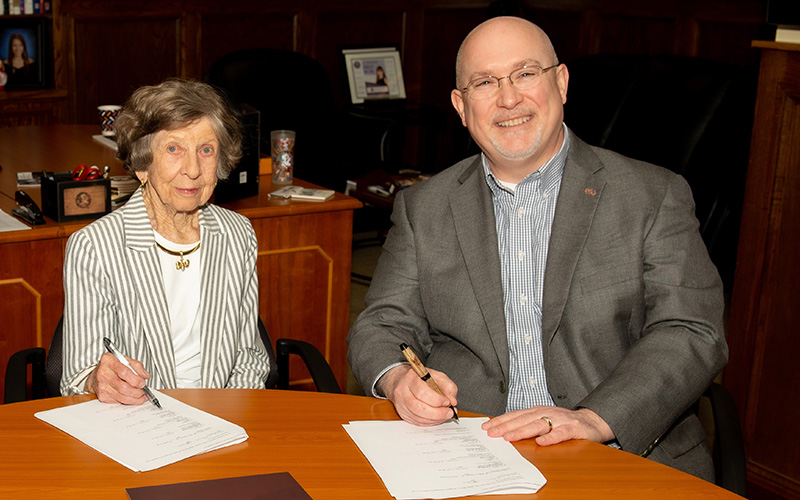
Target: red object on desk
(84, 173)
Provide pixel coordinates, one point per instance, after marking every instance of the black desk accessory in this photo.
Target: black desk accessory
(28, 209)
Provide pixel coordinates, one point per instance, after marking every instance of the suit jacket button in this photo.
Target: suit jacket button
(502, 387)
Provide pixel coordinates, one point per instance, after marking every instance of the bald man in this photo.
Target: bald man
(560, 288)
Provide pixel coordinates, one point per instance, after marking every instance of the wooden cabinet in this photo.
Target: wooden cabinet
(19, 108)
(304, 264)
(765, 312)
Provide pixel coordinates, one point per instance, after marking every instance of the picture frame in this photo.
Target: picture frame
(32, 36)
(374, 74)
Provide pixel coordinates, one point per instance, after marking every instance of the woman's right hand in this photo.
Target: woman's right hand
(114, 382)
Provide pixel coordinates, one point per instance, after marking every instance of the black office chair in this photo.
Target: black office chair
(292, 91)
(385, 133)
(687, 114)
(315, 362)
(16, 386)
(730, 464)
(46, 369)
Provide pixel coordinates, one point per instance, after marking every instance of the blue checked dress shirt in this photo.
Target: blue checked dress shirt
(524, 217)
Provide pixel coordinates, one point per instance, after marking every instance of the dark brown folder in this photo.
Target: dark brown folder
(277, 486)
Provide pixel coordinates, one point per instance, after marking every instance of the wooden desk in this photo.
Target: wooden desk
(303, 266)
(301, 433)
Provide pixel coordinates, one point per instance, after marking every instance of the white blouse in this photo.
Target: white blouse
(182, 288)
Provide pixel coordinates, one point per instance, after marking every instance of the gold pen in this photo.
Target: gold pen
(423, 372)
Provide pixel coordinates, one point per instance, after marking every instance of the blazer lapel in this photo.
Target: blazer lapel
(581, 189)
(144, 267)
(473, 217)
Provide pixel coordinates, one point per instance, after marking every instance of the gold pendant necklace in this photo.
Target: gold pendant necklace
(182, 264)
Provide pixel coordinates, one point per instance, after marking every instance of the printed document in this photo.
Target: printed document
(143, 437)
(10, 223)
(449, 460)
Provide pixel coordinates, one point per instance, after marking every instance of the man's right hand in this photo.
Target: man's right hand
(114, 382)
(414, 400)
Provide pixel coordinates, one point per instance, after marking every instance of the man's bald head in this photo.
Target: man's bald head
(499, 26)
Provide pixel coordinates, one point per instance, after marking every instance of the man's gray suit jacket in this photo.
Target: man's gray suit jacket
(632, 307)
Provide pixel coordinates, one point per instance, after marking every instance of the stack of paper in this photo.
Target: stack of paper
(301, 193)
(122, 187)
(448, 460)
(9, 223)
(144, 437)
(106, 141)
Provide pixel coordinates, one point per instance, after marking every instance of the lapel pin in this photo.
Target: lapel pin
(590, 191)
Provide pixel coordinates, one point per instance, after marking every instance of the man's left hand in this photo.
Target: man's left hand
(566, 425)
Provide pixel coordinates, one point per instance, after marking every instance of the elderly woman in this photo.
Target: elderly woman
(169, 278)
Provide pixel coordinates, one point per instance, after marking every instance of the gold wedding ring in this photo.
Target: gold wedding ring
(549, 422)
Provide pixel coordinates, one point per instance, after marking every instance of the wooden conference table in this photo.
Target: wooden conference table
(303, 262)
(300, 433)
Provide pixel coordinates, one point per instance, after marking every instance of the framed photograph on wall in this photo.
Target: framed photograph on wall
(25, 52)
(374, 74)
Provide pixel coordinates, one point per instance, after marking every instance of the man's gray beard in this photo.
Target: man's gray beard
(512, 155)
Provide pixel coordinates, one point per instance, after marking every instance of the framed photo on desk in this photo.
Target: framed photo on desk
(25, 52)
(374, 74)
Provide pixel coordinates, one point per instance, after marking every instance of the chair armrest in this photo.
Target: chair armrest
(315, 362)
(16, 383)
(729, 458)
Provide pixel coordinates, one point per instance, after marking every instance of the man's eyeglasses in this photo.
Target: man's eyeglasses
(522, 78)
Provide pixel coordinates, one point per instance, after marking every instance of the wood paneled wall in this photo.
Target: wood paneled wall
(104, 50)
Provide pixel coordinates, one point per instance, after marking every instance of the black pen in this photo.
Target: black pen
(113, 350)
(423, 372)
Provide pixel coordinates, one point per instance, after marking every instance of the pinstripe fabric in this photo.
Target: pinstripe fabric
(113, 287)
